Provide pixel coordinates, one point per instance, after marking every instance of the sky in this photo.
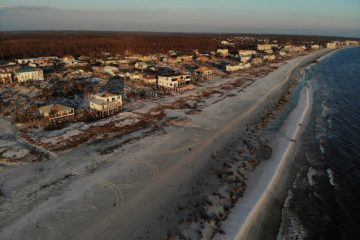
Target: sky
(314, 17)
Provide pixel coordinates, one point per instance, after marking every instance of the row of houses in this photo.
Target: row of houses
(22, 75)
(104, 104)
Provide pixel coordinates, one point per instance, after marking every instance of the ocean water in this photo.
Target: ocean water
(324, 199)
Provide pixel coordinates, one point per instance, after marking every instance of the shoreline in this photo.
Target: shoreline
(268, 181)
(248, 212)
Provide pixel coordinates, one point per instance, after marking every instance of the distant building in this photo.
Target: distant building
(204, 72)
(111, 70)
(42, 61)
(136, 76)
(57, 113)
(29, 74)
(245, 59)
(315, 46)
(68, 60)
(241, 66)
(269, 58)
(176, 82)
(150, 79)
(348, 43)
(184, 58)
(5, 77)
(264, 47)
(141, 65)
(294, 49)
(223, 52)
(106, 104)
(282, 53)
(227, 43)
(257, 61)
(24, 61)
(203, 58)
(332, 45)
(247, 53)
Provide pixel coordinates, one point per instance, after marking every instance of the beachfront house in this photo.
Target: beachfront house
(105, 104)
(350, 42)
(29, 74)
(241, 66)
(294, 49)
(332, 45)
(265, 47)
(56, 113)
(204, 72)
(315, 46)
(176, 83)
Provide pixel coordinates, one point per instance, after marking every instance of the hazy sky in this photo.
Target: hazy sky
(320, 17)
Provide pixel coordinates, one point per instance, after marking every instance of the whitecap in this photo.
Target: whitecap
(331, 176)
(322, 149)
(311, 173)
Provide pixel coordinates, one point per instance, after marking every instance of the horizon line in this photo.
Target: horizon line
(194, 33)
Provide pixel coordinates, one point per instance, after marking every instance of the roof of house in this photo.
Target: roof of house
(54, 108)
(108, 94)
(23, 70)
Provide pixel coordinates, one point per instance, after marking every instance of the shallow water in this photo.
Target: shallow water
(325, 194)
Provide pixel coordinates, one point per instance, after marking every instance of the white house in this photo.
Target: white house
(332, 45)
(247, 53)
(176, 82)
(223, 52)
(315, 46)
(57, 112)
(106, 104)
(28, 74)
(349, 42)
(241, 66)
(245, 59)
(294, 49)
(264, 47)
(270, 57)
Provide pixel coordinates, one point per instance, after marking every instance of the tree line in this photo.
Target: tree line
(22, 45)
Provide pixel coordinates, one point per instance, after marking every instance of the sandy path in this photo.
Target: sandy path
(268, 178)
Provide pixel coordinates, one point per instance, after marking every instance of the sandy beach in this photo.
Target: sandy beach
(136, 190)
(269, 178)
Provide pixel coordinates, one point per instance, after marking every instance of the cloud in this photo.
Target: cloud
(18, 18)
